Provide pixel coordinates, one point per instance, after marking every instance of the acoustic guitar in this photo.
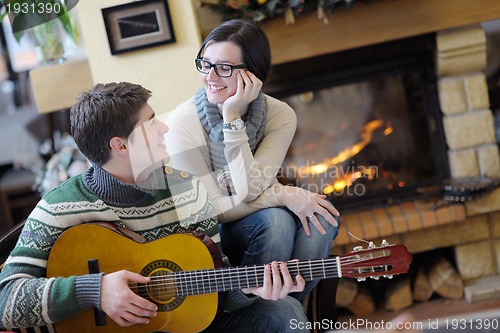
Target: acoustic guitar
(186, 277)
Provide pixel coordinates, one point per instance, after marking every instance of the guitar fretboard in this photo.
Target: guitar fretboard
(231, 278)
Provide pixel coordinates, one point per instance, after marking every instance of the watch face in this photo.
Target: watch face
(238, 124)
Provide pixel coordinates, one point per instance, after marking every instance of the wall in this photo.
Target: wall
(463, 91)
(167, 70)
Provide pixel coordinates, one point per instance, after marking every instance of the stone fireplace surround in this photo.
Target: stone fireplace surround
(472, 152)
(471, 228)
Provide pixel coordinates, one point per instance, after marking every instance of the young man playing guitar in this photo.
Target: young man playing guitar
(127, 186)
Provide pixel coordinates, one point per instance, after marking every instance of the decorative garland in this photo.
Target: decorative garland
(261, 10)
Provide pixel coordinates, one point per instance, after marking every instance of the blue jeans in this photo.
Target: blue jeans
(282, 316)
(275, 234)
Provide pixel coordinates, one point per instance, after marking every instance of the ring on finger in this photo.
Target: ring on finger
(309, 218)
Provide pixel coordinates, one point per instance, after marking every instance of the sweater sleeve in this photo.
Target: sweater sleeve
(236, 300)
(27, 297)
(256, 172)
(186, 143)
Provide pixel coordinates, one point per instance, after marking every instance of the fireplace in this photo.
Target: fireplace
(346, 122)
(369, 124)
(449, 53)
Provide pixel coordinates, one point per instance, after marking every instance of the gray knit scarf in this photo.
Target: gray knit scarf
(212, 122)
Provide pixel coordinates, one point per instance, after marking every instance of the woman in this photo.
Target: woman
(235, 138)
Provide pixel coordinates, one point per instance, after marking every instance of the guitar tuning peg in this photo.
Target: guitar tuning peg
(389, 276)
(385, 243)
(375, 277)
(357, 248)
(361, 279)
(371, 245)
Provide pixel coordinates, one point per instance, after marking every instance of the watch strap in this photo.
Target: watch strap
(232, 125)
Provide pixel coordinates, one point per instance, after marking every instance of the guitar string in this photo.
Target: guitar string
(317, 265)
(215, 275)
(209, 277)
(201, 284)
(211, 285)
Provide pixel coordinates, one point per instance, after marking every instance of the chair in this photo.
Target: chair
(16, 193)
(8, 241)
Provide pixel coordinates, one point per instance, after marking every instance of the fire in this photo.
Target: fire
(347, 153)
(346, 179)
(349, 178)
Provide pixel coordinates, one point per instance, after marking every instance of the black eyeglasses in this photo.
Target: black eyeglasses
(222, 70)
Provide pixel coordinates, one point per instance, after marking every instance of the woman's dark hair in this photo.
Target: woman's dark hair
(252, 41)
(103, 112)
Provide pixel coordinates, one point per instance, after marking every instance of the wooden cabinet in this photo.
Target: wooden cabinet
(56, 87)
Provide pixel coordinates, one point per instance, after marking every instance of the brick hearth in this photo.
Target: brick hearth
(397, 220)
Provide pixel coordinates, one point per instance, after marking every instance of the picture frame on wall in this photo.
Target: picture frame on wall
(138, 25)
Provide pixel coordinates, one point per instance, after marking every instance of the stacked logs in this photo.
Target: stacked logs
(438, 277)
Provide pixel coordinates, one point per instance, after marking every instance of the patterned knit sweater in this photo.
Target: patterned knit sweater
(167, 203)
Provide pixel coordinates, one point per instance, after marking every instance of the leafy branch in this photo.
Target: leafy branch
(27, 14)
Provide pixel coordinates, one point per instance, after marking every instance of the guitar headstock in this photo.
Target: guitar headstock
(386, 260)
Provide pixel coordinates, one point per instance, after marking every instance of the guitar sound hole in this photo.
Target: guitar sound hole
(162, 289)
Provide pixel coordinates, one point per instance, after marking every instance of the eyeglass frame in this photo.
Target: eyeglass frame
(214, 66)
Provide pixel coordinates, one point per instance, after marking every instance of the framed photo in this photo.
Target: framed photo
(137, 25)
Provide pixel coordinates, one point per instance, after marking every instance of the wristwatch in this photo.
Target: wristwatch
(235, 124)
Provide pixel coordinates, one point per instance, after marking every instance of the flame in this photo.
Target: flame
(349, 178)
(389, 129)
(347, 153)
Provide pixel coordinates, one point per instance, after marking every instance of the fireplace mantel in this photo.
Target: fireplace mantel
(372, 23)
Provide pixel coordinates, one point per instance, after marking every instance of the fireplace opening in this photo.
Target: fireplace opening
(433, 275)
(368, 131)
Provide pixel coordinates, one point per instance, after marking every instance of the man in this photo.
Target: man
(127, 185)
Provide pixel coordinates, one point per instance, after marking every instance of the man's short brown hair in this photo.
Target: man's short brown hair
(103, 112)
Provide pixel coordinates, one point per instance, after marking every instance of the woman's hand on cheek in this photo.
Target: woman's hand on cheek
(247, 90)
(251, 85)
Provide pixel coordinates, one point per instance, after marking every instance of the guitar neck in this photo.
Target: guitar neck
(231, 278)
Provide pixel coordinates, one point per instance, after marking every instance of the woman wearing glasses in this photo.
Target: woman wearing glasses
(235, 138)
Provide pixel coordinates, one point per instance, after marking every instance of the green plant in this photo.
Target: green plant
(28, 14)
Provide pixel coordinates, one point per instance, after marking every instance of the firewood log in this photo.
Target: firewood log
(363, 304)
(445, 280)
(398, 295)
(347, 290)
(422, 289)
